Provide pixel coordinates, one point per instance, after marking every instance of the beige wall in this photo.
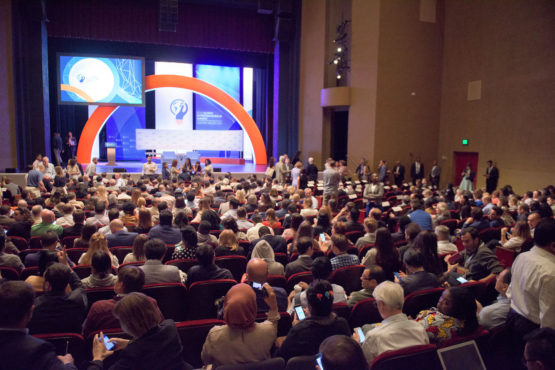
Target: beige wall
(510, 47)
(8, 156)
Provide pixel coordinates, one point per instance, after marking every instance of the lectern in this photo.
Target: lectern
(111, 153)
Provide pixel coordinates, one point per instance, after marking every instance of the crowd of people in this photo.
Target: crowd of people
(403, 234)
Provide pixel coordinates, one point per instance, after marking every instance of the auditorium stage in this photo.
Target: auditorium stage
(137, 167)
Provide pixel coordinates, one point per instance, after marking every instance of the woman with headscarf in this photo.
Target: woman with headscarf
(264, 251)
(242, 340)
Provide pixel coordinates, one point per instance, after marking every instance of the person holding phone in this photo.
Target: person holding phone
(340, 352)
(242, 340)
(140, 318)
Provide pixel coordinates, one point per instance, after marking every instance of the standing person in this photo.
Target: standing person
(72, 144)
(416, 170)
(399, 174)
(149, 168)
(492, 177)
(434, 174)
(382, 170)
(58, 146)
(467, 182)
(91, 168)
(271, 169)
(373, 193)
(312, 170)
(331, 182)
(208, 169)
(360, 169)
(295, 173)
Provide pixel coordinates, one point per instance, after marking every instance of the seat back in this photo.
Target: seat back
(82, 270)
(489, 234)
(68, 241)
(203, 294)
(121, 252)
(276, 363)
(170, 248)
(300, 363)
(19, 242)
(348, 277)
(505, 256)
(193, 335)
(354, 235)
(182, 264)
(423, 357)
(284, 323)
(99, 294)
(124, 265)
(364, 249)
(171, 298)
(67, 343)
(9, 273)
(364, 312)
(34, 243)
(305, 276)
(480, 336)
(421, 300)
(281, 258)
(277, 281)
(75, 253)
(342, 309)
(28, 271)
(451, 223)
(236, 264)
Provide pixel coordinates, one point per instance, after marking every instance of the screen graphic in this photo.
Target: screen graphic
(100, 80)
(174, 107)
(120, 129)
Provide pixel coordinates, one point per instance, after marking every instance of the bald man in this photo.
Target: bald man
(47, 224)
(257, 273)
(119, 236)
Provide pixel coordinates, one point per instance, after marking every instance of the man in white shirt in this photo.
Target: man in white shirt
(49, 172)
(396, 330)
(242, 222)
(443, 244)
(149, 168)
(495, 314)
(91, 168)
(532, 289)
(308, 194)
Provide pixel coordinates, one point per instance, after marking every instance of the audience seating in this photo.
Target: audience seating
(480, 336)
(364, 249)
(99, 294)
(35, 243)
(364, 312)
(281, 258)
(82, 270)
(9, 273)
(171, 298)
(305, 276)
(423, 357)
(202, 297)
(489, 234)
(28, 271)
(75, 253)
(276, 363)
(354, 235)
(421, 300)
(505, 256)
(121, 252)
(21, 243)
(193, 335)
(169, 253)
(451, 223)
(277, 281)
(25, 252)
(459, 244)
(236, 264)
(284, 323)
(67, 343)
(278, 230)
(487, 294)
(69, 241)
(301, 363)
(183, 264)
(476, 287)
(137, 263)
(348, 277)
(342, 309)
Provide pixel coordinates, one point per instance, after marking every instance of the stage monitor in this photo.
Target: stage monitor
(101, 80)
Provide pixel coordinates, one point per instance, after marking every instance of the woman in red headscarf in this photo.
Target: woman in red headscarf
(242, 340)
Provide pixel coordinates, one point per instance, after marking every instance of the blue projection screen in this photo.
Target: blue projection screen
(100, 80)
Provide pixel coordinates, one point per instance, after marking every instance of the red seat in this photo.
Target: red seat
(489, 234)
(25, 252)
(99, 294)
(35, 243)
(364, 312)
(480, 336)
(75, 253)
(20, 243)
(82, 271)
(505, 256)
(203, 294)
(281, 258)
(236, 264)
(305, 276)
(348, 277)
(364, 249)
(69, 241)
(67, 343)
(182, 264)
(284, 323)
(451, 223)
(278, 230)
(354, 235)
(421, 300)
(193, 335)
(277, 281)
(342, 309)
(138, 263)
(121, 252)
(423, 357)
(9, 273)
(29, 271)
(171, 298)
(170, 248)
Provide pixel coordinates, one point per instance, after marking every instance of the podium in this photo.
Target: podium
(110, 153)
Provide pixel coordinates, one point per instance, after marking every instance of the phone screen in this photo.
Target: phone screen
(360, 335)
(319, 361)
(397, 275)
(300, 312)
(109, 345)
(322, 237)
(257, 285)
(462, 280)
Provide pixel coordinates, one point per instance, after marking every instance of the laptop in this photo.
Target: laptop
(462, 356)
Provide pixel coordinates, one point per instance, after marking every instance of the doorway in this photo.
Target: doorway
(339, 131)
(460, 160)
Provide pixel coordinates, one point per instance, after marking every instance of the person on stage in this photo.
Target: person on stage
(72, 144)
(492, 177)
(208, 169)
(149, 168)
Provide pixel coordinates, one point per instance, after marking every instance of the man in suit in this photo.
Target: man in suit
(206, 269)
(119, 237)
(434, 174)
(492, 177)
(399, 173)
(155, 271)
(382, 171)
(78, 223)
(304, 261)
(165, 231)
(416, 170)
(19, 350)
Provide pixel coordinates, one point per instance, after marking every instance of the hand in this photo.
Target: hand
(66, 359)
(99, 349)
(356, 337)
(303, 285)
(279, 341)
(62, 257)
(270, 298)
(119, 343)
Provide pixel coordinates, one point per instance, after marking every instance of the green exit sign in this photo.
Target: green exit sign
(464, 141)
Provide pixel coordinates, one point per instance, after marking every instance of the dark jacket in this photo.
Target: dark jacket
(59, 313)
(210, 272)
(121, 238)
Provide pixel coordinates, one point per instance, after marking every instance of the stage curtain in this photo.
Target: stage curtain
(137, 21)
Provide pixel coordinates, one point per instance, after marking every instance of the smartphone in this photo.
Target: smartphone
(454, 258)
(300, 312)
(462, 280)
(109, 345)
(319, 361)
(256, 285)
(397, 275)
(322, 237)
(360, 335)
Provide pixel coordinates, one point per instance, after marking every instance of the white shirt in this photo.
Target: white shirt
(444, 246)
(395, 332)
(65, 220)
(150, 168)
(252, 233)
(532, 289)
(91, 169)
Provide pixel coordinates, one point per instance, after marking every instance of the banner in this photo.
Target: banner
(174, 107)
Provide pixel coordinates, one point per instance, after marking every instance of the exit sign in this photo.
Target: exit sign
(464, 141)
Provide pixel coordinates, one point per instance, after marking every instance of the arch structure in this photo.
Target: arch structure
(152, 82)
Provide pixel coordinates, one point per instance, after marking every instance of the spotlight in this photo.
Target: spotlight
(335, 61)
(338, 77)
(339, 50)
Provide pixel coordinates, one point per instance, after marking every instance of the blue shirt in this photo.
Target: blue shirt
(33, 178)
(422, 218)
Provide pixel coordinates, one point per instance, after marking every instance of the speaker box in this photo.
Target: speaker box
(119, 169)
(284, 29)
(217, 169)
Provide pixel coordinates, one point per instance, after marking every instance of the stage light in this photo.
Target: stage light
(339, 50)
(338, 76)
(335, 61)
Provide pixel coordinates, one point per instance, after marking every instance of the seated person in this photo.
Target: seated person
(476, 220)
(138, 252)
(18, 349)
(539, 349)
(455, 315)
(140, 319)
(48, 241)
(371, 277)
(223, 346)
(155, 271)
(496, 314)
(263, 250)
(342, 352)
(396, 331)
(443, 244)
(130, 279)
(257, 272)
(57, 311)
(520, 232)
(305, 336)
(186, 249)
(7, 259)
(206, 268)
(370, 227)
(278, 243)
(165, 231)
(119, 237)
(339, 246)
(417, 278)
(204, 236)
(304, 261)
(101, 272)
(228, 245)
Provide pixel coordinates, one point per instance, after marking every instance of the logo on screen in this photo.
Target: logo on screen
(179, 109)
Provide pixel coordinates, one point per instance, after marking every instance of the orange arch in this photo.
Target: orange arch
(102, 113)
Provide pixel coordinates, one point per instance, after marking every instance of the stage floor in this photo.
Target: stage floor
(137, 167)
